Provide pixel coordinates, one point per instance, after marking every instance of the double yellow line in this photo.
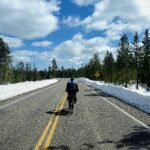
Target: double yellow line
(50, 128)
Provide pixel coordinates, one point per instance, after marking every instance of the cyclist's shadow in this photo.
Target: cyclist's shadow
(63, 112)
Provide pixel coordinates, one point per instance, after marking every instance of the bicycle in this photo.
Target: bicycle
(71, 99)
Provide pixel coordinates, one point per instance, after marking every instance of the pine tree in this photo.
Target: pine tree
(21, 72)
(146, 59)
(108, 66)
(29, 72)
(5, 60)
(49, 72)
(137, 51)
(54, 67)
(123, 61)
(35, 73)
(93, 66)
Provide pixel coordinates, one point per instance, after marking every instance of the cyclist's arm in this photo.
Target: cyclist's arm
(77, 89)
(67, 87)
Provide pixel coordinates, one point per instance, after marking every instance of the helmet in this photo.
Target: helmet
(72, 78)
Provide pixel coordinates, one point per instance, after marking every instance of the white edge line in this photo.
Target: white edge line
(135, 119)
(25, 96)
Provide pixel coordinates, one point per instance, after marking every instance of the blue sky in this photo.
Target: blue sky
(69, 30)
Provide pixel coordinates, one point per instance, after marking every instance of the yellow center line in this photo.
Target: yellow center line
(40, 141)
(48, 141)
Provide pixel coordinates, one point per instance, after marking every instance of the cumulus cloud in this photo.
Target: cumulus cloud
(78, 50)
(84, 2)
(42, 43)
(23, 55)
(40, 59)
(12, 42)
(30, 56)
(73, 52)
(28, 19)
(116, 16)
(71, 21)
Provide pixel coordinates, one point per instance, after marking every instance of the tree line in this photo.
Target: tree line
(21, 71)
(131, 64)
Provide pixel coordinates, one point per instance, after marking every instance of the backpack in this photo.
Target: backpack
(72, 87)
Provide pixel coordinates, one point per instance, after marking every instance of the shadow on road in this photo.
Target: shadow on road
(92, 94)
(92, 146)
(62, 147)
(62, 112)
(138, 139)
(106, 142)
(89, 90)
(86, 146)
(98, 92)
(102, 94)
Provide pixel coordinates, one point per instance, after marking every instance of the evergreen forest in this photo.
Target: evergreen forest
(131, 64)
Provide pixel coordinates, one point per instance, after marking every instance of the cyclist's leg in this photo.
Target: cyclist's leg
(75, 98)
(69, 102)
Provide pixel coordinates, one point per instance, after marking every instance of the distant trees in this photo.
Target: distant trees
(5, 61)
(131, 64)
(21, 71)
(108, 67)
(93, 66)
(54, 67)
(136, 49)
(49, 72)
(145, 56)
(124, 59)
(27, 72)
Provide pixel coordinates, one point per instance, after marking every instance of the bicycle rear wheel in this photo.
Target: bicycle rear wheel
(71, 104)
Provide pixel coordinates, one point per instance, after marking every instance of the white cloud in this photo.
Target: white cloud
(23, 55)
(12, 42)
(30, 56)
(24, 59)
(28, 19)
(73, 52)
(84, 2)
(40, 59)
(42, 43)
(116, 16)
(78, 50)
(71, 21)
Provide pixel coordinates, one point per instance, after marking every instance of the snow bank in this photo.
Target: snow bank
(138, 98)
(11, 90)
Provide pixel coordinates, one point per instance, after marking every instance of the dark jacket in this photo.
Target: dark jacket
(72, 87)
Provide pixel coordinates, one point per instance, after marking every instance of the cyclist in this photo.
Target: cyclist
(72, 89)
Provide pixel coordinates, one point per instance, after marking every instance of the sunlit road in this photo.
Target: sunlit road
(41, 120)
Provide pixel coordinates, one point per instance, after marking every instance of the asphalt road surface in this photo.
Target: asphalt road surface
(40, 120)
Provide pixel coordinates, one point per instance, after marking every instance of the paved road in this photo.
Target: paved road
(40, 120)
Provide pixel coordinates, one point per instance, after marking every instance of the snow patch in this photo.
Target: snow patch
(138, 98)
(11, 90)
